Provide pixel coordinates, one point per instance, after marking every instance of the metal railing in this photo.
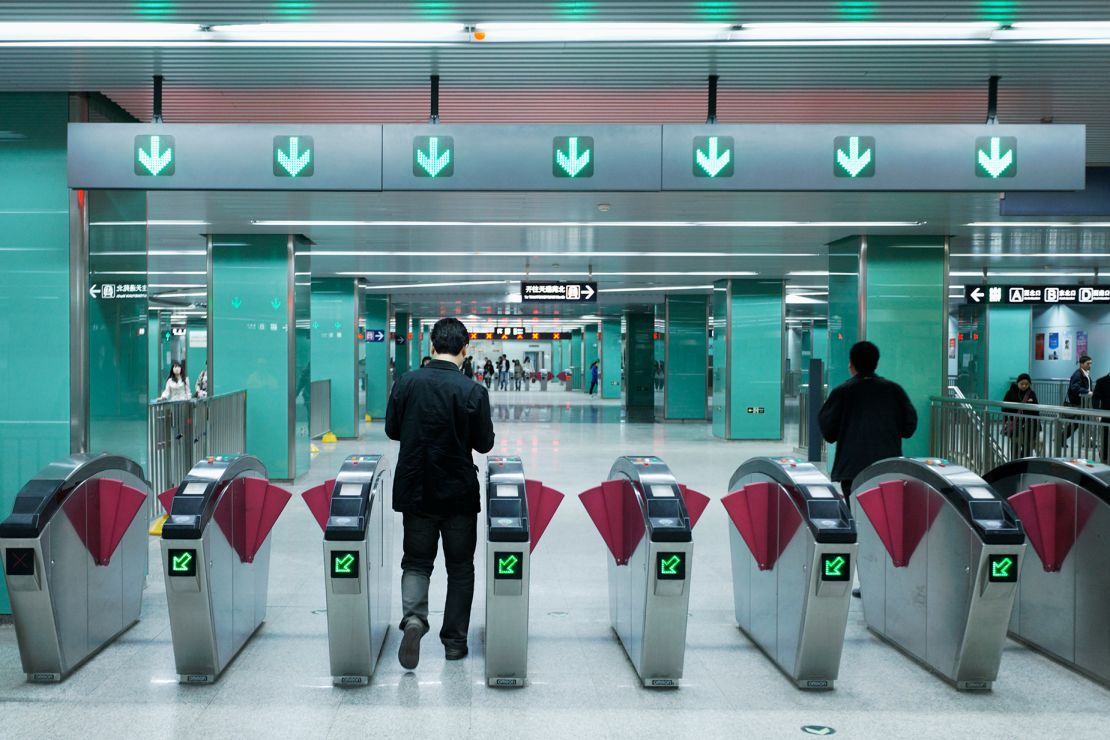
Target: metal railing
(182, 432)
(981, 435)
(1051, 391)
(319, 413)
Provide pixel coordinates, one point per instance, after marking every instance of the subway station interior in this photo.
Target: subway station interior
(665, 226)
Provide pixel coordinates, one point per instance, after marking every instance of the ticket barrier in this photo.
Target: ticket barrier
(1063, 606)
(216, 556)
(517, 513)
(939, 555)
(75, 556)
(793, 543)
(355, 513)
(646, 518)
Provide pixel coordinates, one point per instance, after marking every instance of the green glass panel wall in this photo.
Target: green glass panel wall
(414, 343)
(117, 324)
(155, 378)
(376, 311)
(556, 357)
(589, 352)
(971, 350)
(687, 357)
(401, 351)
(34, 291)
(196, 349)
(426, 341)
(302, 360)
(844, 296)
(260, 341)
(639, 361)
(719, 346)
(906, 312)
(1009, 347)
(564, 354)
(753, 318)
(576, 357)
(334, 349)
(610, 358)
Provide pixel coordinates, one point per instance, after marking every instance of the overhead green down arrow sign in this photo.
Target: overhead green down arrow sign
(573, 156)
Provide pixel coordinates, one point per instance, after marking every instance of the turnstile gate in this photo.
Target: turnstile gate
(216, 556)
(1063, 606)
(646, 518)
(517, 513)
(355, 513)
(939, 556)
(75, 555)
(793, 544)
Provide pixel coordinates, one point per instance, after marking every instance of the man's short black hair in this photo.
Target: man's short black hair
(864, 357)
(1084, 358)
(449, 336)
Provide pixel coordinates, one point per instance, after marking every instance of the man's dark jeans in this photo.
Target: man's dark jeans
(460, 538)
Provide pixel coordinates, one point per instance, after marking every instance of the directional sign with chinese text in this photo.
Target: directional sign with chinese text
(375, 335)
(559, 292)
(115, 291)
(1036, 295)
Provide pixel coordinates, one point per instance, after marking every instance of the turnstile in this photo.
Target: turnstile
(646, 518)
(216, 555)
(355, 513)
(1063, 606)
(939, 556)
(793, 543)
(517, 513)
(75, 556)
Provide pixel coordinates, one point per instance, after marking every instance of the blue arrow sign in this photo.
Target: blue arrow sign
(375, 335)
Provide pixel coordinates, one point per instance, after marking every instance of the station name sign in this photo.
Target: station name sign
(577, 157)
(558, 292)
(1036, 295)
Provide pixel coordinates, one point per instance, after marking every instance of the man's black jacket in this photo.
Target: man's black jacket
(1101, 398)
(867, 418)
(439, 415)
(1078, 386)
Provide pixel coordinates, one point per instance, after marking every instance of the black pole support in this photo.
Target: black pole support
(434, 118)
(992, 99)
(711, 116)
(157, 116)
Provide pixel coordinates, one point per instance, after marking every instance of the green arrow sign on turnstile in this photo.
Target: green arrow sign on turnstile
(573, 156)
(1003, 568)
(713, 156)
(294, 156)
(155, 155)
(854, 156)
(996, 156)
(836, 566)
(509, 566)
(506, 566)
(344, 564)
(670, 566)
(182, 562)
(433, 156)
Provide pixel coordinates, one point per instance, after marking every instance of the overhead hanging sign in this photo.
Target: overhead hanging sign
(558, 292)
(1036, 295)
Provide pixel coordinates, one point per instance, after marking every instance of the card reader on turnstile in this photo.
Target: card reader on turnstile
(216, 559)
(75, 556)
(357, 520)
(793, 543)
(939, 556)
(1063, 591)
(646, 519)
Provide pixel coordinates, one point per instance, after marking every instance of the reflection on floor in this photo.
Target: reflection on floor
(581, 684)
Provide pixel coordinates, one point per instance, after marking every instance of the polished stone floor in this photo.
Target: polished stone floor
(580, 682)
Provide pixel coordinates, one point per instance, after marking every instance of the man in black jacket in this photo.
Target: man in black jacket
(1100, 399)
(866, 416)
(439, 415)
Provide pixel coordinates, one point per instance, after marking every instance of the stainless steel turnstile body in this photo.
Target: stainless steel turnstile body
(649, 595)
(508, 572)
(358, 562)
(948, 603)
(216, 578)
(792, 599)
(1063, 598)
(65, 604)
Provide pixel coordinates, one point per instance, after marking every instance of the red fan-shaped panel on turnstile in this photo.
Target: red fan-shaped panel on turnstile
(696, 503)
(615, 512)
(101, 510)
(166, 498)
(247, 512)
(899, 511)
(765, 518)
(543, 502)
(1054, 515)
(318, 499)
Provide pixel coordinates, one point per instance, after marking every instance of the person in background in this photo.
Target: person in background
(1080, 383)
(1021, 430)
(468, 367)
(177, 384)
(503, 373)
(595, 372)
(440, 418)
(202, 384)
(1100, 399)
(526, 371)
(487, 373)
(425, 361)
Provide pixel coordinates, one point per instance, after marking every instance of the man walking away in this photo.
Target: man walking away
(439, 416)
(594, 374)
(866, 416)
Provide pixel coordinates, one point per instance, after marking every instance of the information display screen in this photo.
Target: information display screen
(978, 492)
(662, 491)
(195, 489)
(506, 490)
(350, 489)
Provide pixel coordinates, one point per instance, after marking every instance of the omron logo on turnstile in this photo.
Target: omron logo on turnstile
(344, 564)
(670, 566)
(1003, 568)
(836, 566)
(507, 566)
(182, 563)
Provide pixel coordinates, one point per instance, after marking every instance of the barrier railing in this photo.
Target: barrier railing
(319, 415)
(981, 435)
(1051, 391)
(182, 432)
